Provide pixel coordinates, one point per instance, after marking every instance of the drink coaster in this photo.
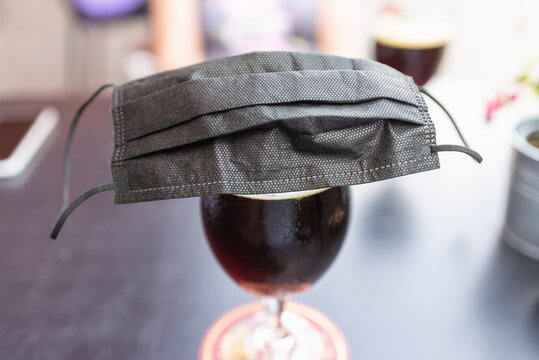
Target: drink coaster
(226, 337)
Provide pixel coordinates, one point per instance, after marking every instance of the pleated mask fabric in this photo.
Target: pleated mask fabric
(267, 122)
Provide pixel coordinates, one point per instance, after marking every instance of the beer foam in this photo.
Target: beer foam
(398, 32)
(284, 196)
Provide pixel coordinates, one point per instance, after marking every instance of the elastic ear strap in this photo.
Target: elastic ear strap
(69, 209)
(466, 150)
(447, 113)
(65, 209)
(463, 149)
(67, 151)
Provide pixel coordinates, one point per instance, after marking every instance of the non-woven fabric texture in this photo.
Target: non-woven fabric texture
(267, 122)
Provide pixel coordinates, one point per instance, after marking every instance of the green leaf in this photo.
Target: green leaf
(536, 89)
(522, 78)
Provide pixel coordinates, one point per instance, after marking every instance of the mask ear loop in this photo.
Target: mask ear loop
(66, 210)
(464, 149)
(69, 141)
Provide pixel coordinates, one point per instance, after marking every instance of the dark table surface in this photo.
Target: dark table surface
(423, 273)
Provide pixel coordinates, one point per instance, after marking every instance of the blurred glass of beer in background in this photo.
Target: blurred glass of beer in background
(411, 36)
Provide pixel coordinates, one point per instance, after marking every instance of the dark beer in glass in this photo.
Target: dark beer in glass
(276, 246)
(416, 60)
(273, 246)
(414, 48)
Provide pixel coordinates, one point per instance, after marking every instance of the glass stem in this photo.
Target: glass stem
(274, 308)
(280, 344)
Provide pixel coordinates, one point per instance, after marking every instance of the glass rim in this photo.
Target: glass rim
(284, 195)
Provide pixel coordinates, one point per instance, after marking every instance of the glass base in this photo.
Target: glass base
(239, 335)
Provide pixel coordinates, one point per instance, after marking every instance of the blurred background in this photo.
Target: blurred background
(424, 272)
(65, 46)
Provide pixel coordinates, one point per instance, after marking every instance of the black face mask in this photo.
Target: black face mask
(264, 123)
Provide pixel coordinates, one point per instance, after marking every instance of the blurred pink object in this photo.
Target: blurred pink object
(495, 104)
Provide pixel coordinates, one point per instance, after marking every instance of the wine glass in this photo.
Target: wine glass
(274, 246)
(411, 37)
